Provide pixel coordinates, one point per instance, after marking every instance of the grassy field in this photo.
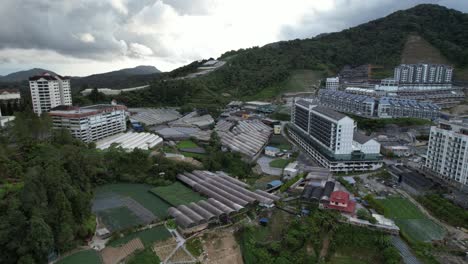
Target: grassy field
(299, 81)
(177, 194)
(411, 220)
(303, 81)
(148, 236)
(186, 144)
(193, 155)
(401, 208)
(119, 218)
(140, 193)
(279, 163)
(146, 256)
(85, 256)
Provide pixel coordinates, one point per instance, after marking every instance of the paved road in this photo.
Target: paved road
(264, 163)
(405, 252)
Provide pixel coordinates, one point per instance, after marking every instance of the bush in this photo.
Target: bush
(445, 210)
(374, 204)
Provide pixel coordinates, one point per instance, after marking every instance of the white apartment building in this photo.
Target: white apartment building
(49, 91)
(333, 83)
(423, 73)
(447, 153)
(330, 138)
(90, 123)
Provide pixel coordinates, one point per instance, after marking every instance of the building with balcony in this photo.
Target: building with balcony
(390, 107)
(347, 102)
(385, 107)
(90, 123)
(447, 152)
(49, 91)
(332, 83)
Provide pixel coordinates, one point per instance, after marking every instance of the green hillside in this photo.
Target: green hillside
(265, 72)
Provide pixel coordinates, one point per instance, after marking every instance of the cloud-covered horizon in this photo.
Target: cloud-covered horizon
(83, 37)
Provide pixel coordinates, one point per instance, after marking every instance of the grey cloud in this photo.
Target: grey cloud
(349, 13)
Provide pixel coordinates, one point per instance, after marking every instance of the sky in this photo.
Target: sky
(83, 37)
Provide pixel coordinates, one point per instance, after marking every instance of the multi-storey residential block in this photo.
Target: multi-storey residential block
(423, 73)
(385, 107)
(389, 107)
(347, 102)
(447, 153)
(332, 83)
(9, 100)
(90, 123)
(49, 91)
(329, 137)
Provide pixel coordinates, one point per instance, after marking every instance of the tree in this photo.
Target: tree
(40, 239)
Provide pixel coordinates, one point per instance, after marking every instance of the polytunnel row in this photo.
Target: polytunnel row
(226, 196)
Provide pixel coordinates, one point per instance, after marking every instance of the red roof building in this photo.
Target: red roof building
(339, 200)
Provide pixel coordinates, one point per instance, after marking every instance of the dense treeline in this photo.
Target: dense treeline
(47, 180)
(249, 71)
(230, 162)
(303, 239)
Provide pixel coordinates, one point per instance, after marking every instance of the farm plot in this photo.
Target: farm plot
(138, 192)
(411, 220)
(119, 218)
(120, 206)
(85, 256)
(177, 194)
(147, 236)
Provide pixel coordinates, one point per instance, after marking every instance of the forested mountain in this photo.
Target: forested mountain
(250, 72)
(23, 75)
(124, 78)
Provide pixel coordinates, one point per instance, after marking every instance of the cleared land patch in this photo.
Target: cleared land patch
(418, 50)
(177, 194)
(85, 256)
(303, 81)
(411, 220)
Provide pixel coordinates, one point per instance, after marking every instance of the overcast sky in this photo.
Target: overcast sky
(81, 37)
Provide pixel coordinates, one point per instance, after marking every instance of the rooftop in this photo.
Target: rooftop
(78, 112)
(49, 77)
(361, 138)
(329, 112)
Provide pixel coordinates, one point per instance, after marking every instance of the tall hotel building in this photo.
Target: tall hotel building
(49, 91)
(90, 123)
(330, 138)
(447, 153)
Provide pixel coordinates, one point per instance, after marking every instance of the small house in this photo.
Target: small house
(271, 151)
(290, 171)
(274, 184)
(339, 200)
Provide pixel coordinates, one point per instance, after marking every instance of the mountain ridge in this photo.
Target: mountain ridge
(23, 75)
(262, 72)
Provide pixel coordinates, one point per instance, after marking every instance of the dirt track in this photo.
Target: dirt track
(221, 248)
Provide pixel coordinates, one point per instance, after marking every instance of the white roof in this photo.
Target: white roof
(130, 141)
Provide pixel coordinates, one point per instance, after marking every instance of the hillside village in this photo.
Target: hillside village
(365, 163)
